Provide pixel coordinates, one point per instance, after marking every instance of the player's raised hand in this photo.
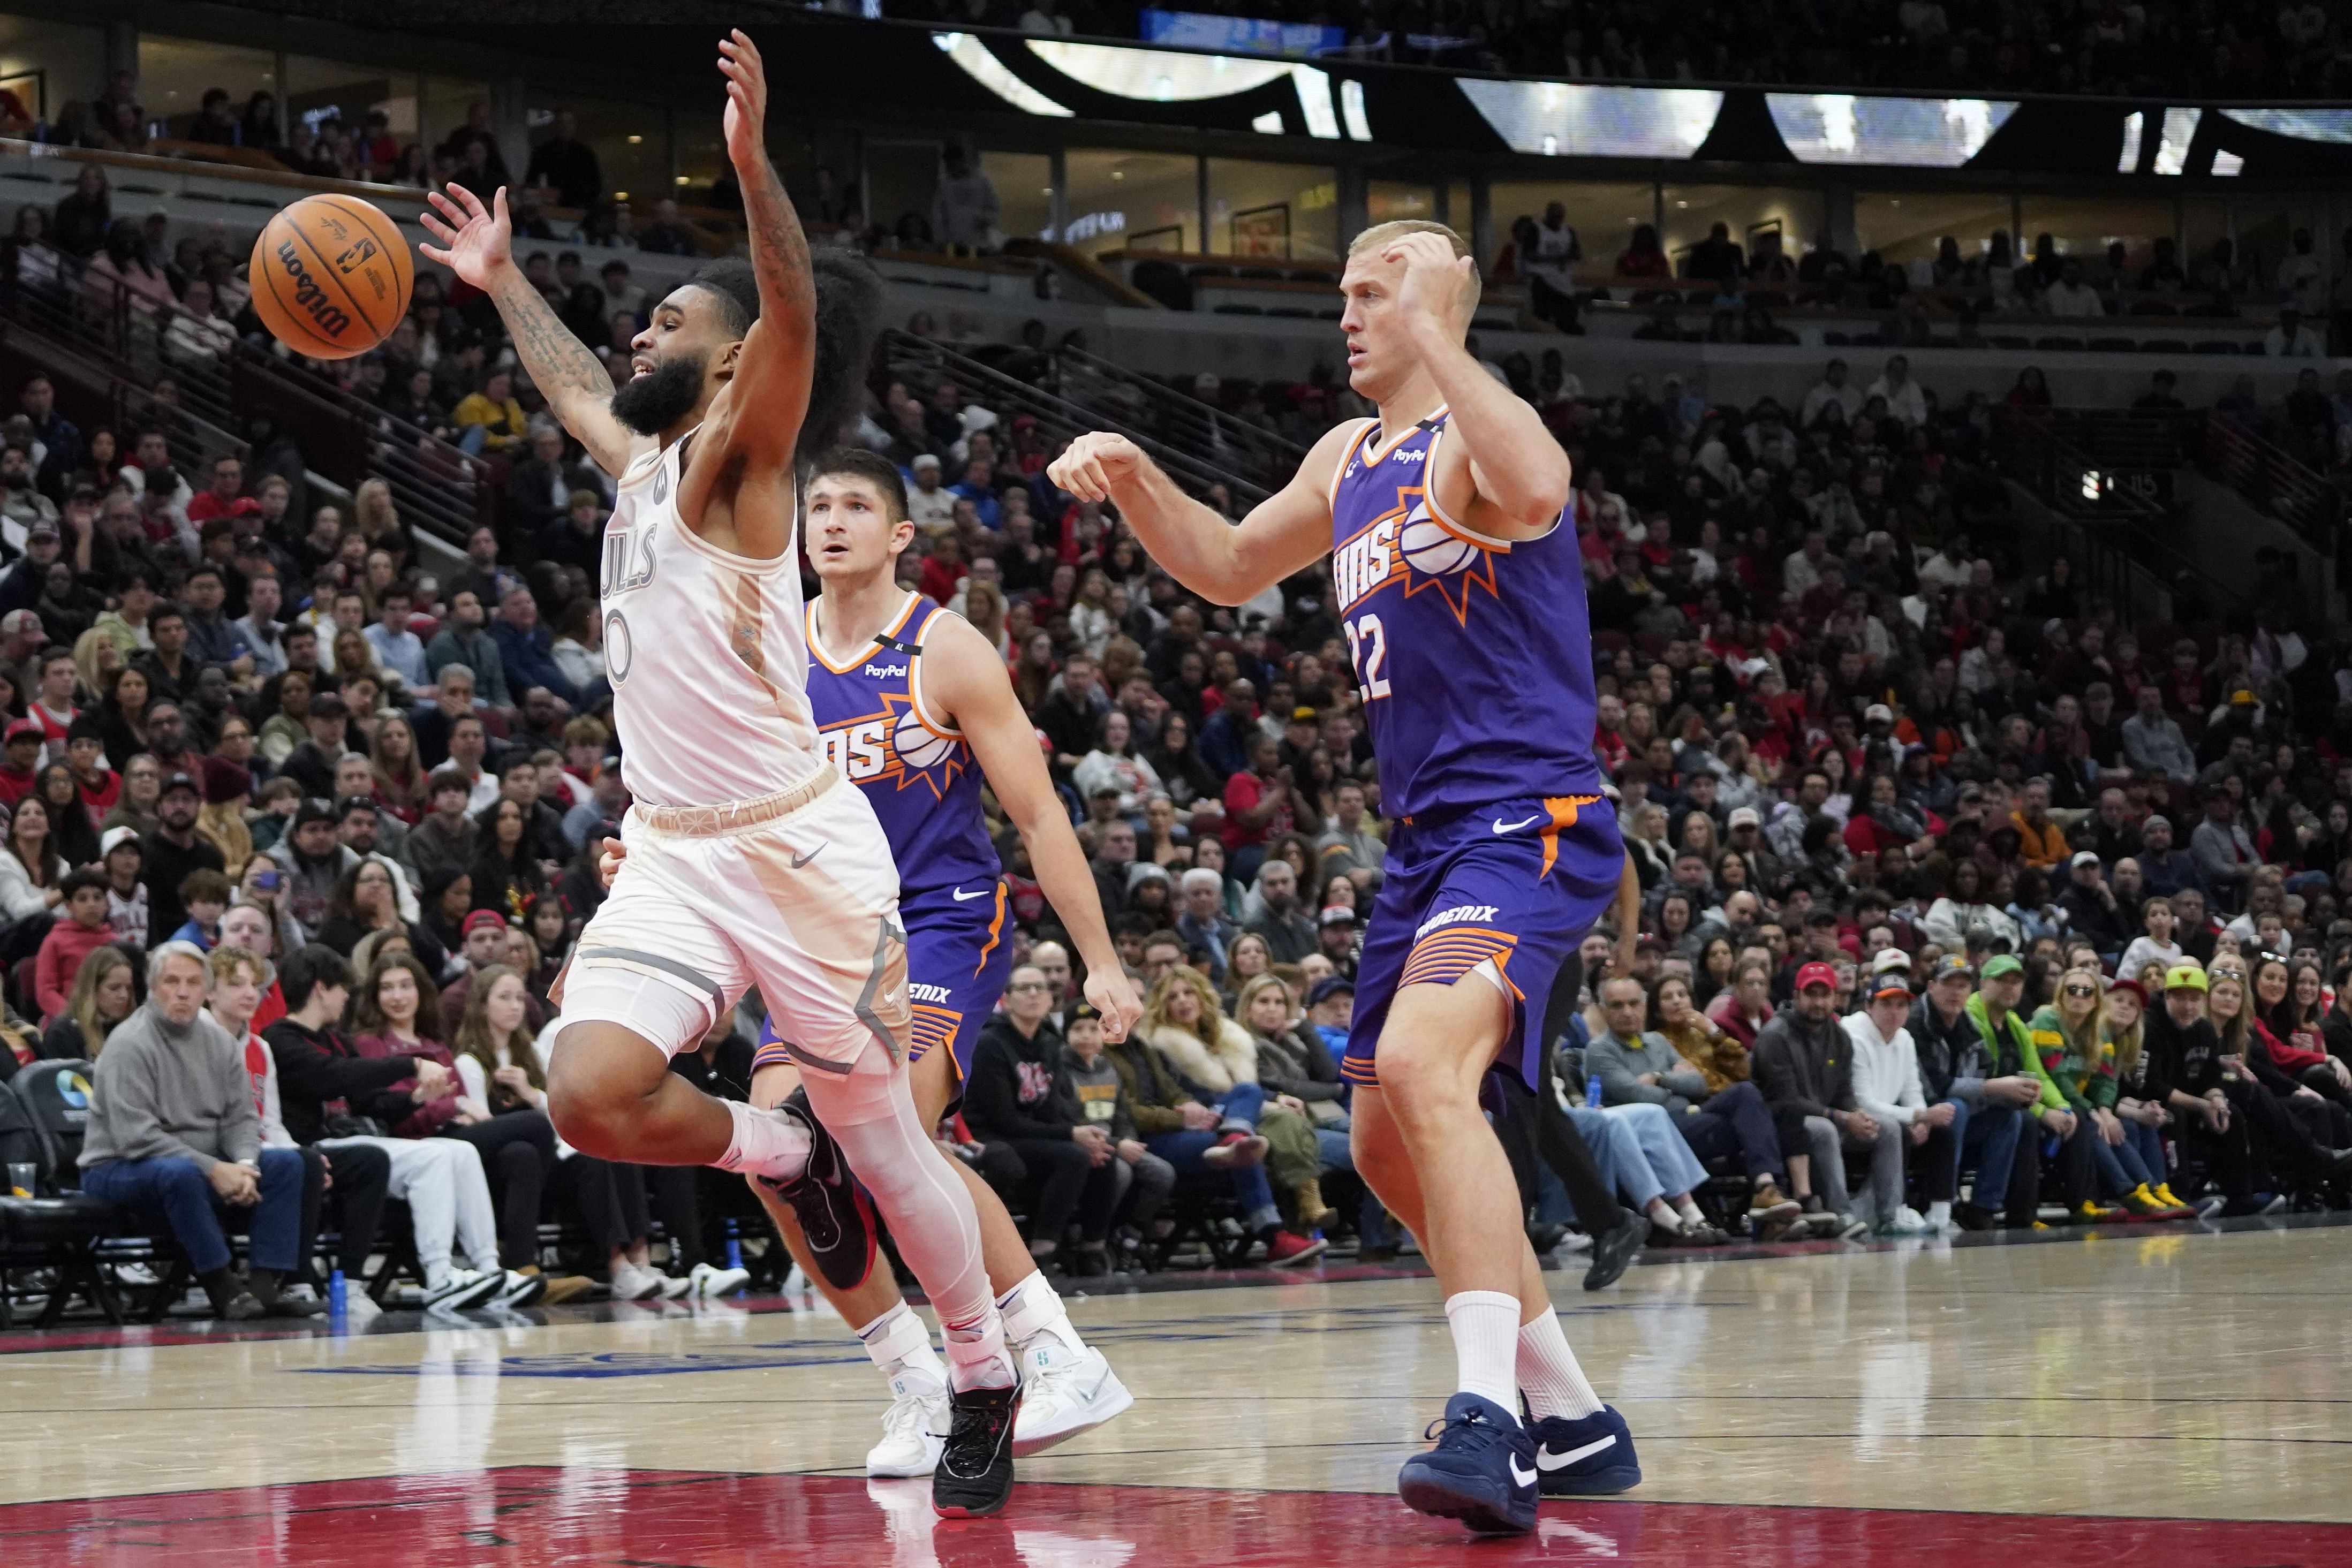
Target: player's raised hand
(475, 240)
(1433, 276)
(1113, 996)
(1092, 463)
(747, 98)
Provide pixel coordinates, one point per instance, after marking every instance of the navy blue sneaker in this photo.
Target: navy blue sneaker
(1589, 1458)
(836, 1217)
(1482, 1472)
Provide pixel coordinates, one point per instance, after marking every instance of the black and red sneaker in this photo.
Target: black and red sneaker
(835, 1214)
(974, 1475)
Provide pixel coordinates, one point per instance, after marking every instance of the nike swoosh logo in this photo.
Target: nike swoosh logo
(1546, 1460)
(964, 897)
(1503, 827)
(800, 860)
(1520, 1477)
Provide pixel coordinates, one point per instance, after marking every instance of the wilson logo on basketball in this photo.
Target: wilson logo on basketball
(329, 318)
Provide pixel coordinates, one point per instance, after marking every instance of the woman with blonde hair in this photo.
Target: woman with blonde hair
(378, 519)
(105, 991)
(2130, 1150)
(984, 606)
(1217, 1059)
(2077, 1058)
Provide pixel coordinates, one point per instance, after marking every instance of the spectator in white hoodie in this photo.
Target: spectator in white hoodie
(1887, 1087)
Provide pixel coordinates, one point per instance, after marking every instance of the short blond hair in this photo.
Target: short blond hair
(1379, 234)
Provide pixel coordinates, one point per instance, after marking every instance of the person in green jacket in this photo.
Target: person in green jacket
(2005, 1067)
(2077, 1060)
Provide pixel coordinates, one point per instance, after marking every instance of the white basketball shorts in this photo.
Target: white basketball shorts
(795, 893)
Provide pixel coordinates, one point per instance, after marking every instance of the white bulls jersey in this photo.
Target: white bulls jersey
(706, 653)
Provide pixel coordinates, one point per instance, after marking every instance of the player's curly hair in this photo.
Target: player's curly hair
(848, 319)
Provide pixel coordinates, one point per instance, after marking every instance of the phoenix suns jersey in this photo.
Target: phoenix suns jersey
(915, 767)
(1474, 653)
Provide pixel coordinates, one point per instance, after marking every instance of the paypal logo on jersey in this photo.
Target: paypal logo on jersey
(1409, 455)
(887, 672)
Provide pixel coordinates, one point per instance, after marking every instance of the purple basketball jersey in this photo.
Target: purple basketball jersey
(917, 772)
(1474, 653)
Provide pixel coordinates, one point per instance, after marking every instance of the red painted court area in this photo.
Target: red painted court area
(688, 1519)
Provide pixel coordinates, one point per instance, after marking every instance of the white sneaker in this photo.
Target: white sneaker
(1907, 1221)
(706, 1281)
(359, 1307)
(1063, 1396)
(671, 1287)
(914, 1430)
(632, 1283)
(464, 1288)
(517, 1289)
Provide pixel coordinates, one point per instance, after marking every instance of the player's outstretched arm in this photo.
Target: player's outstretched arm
(757, 424)
(1517, 476)
(1225, 564)
(963, 679)
(478, 244)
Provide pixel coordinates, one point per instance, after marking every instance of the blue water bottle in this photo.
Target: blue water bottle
(734, 1247)
(339, 1301)
(1592, 1091)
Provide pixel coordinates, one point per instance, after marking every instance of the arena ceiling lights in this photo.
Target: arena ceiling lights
(1166, 77)
(1896, 132)
(1578, 119)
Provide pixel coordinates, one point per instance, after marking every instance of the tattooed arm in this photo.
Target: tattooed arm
(478, 244)
(743, 484)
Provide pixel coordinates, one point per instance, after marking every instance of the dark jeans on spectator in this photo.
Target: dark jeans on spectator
(611, 1199)
(1989, 1132)
(175, 1188)
(361, 1175)
(516, 1148)
(1067, 1183)
(1183, 1150)
(1546, 303)
(1735, 1120)
(1143, 1188)
(2123, 1167)
(687, 1198)
(1937, 1158)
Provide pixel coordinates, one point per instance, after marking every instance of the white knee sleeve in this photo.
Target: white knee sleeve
(671, 1011)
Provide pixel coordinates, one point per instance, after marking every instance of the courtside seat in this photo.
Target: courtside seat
(60, 1226)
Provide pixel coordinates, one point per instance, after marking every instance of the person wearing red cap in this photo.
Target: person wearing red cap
(1805, 1069)
(20, 772)
(484, 934)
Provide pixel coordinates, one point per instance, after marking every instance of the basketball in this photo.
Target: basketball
(919, 745)
(1430, 547)
(330, 276)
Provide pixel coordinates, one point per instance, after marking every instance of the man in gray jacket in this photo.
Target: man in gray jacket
(1641, 1068)
(173, 1128)
(1804, 1066)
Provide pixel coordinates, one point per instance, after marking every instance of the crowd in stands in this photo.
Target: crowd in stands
(2137, 46)
(1855, 739)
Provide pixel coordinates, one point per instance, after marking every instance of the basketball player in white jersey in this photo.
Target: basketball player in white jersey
(877, 651)
(749, 864)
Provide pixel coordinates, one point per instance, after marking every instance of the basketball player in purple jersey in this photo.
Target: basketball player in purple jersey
(1462, 592)
(915, 709)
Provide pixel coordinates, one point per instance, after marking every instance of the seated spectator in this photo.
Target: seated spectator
(80, 931)
(1887, 1087)
(174, 1133)
(2010, 1102)
(1296, 1068)
(1639, 1068)
(1144, 1180)
(1805, 1069)
(1020, 1096)
(205, 894)
(104, 993)
(1191, 1135)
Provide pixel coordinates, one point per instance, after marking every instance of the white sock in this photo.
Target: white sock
(1485, 1344)
(1033, 1310)
(1690, 1213)
(1661, 1214)
(1939, 1212)
(900, 1345)
(764, 1145)
(1548, 1375)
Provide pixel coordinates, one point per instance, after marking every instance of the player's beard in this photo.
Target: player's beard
(653, 402)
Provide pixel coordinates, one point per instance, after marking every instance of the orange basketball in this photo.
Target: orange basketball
(330, 276)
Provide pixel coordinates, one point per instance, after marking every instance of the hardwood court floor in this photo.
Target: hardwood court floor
(2183, 1398)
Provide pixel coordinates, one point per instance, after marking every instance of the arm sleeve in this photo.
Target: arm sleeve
(307, 1072)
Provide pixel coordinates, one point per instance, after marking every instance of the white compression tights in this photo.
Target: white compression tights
(870, 1111)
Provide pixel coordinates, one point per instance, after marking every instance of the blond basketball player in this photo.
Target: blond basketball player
(749, 864)
(1458, 583)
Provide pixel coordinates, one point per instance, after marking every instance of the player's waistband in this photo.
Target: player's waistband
(1442, 816)
(737, 817)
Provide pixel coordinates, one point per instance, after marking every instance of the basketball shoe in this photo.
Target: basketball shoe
(1482, 1472)
(914, 1429)
(1064, 1396)
(835, 1214)
(1589, 1456)
(974, 1476)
